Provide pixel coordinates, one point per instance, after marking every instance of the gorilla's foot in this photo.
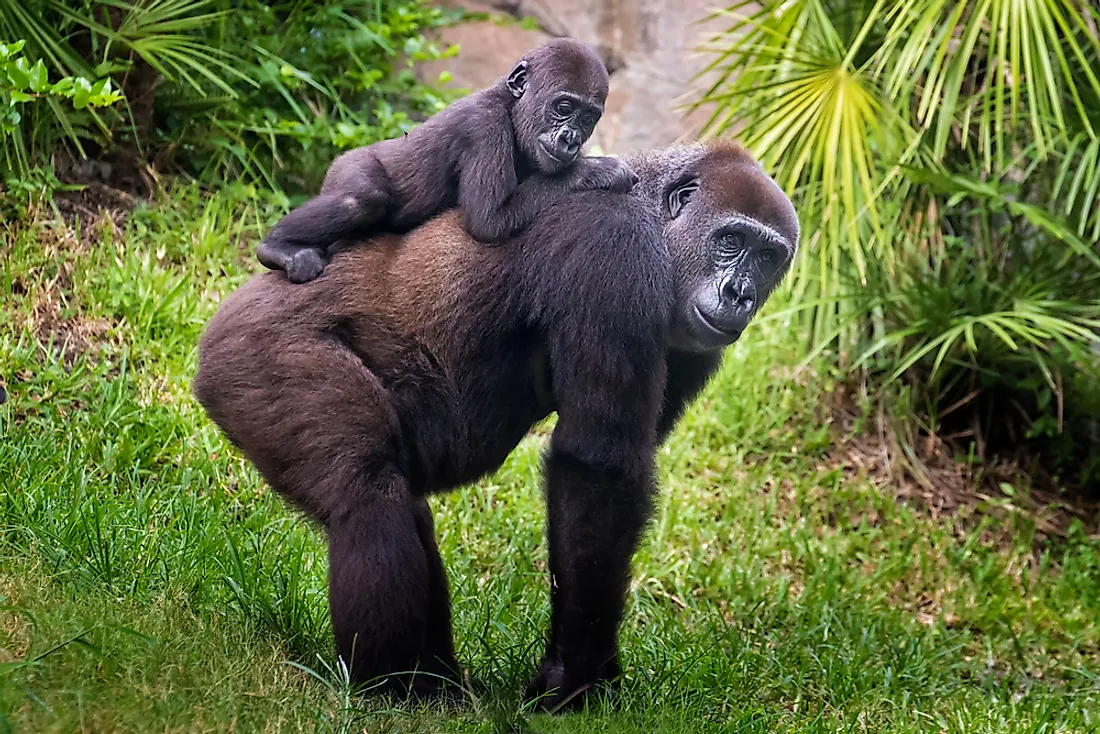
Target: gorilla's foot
(557, 688)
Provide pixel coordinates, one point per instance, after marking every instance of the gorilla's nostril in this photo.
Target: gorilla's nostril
(569, 140)
(730, 291)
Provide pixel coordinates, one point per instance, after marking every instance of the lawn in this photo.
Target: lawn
(150, 582)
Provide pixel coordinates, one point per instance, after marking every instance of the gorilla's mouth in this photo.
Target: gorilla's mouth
(727, 335)
(553, 154)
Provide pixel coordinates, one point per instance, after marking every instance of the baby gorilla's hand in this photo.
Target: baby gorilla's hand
(602, 173)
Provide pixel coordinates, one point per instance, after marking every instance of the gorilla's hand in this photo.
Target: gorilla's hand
(601, 173)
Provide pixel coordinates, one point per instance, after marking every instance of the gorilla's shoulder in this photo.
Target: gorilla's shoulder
(599, 255)
(596, 229)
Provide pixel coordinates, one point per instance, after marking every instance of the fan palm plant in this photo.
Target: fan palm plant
(838, 98)
(945, 158)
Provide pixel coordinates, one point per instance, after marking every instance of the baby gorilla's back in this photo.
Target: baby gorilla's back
(475, 153)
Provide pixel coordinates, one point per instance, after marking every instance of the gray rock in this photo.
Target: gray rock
(650, 46)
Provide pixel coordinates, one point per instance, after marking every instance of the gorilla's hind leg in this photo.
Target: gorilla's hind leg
(391, 624)
(438, 651)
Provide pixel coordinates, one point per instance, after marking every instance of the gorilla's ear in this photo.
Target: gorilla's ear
(679, 197)
(517, 79)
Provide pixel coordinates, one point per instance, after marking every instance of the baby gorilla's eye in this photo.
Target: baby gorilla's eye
(769, 256)
(563, 107)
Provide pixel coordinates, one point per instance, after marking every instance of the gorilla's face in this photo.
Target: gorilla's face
(732, 234)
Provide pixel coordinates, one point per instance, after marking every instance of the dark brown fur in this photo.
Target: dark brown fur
(475, 154)
(416, 364)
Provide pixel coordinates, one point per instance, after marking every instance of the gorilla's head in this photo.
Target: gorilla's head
(717, 196)
(560, 89)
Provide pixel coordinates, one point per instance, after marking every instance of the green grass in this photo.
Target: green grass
(149, 582)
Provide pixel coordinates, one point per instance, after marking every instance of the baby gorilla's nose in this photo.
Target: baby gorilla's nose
(568, 143)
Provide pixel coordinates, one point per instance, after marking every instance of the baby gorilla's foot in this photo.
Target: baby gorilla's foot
(305, 265)
(301, 264)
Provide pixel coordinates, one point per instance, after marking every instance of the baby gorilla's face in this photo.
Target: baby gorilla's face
(567, 122)
(560, 90)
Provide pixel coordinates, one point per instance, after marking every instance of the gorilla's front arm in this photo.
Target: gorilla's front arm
(607, 362)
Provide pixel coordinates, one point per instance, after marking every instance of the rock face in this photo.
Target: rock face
(650, 46)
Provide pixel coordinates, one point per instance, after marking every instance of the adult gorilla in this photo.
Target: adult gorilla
(417, 364)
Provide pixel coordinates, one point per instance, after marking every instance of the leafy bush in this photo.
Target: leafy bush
(945, 158)
(230, 91)
(319, 77)
(25, 88)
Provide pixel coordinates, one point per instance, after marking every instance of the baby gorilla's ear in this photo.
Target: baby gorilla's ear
(517, 80)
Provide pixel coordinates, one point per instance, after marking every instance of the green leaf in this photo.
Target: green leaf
(7, 50)
(18, 75)
(63, 87)
(39, 79)
(82, 92)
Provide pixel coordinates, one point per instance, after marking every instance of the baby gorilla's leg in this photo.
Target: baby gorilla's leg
(354, 199)
(300, 243)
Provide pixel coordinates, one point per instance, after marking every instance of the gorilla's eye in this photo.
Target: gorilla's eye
(733, 240)
(563, 107)
(679, 197)
(769, 256)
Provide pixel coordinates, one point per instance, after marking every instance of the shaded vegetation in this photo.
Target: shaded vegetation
(258, 92)
(944, 158)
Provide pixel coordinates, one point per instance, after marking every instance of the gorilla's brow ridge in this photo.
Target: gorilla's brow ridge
(769, 233)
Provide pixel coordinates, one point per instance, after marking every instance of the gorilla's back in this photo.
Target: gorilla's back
(419, 331)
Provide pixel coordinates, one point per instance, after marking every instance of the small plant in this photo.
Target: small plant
(25, 88)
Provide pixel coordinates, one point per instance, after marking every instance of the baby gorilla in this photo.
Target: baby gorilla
(475, 155)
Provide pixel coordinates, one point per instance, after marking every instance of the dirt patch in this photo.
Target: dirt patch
(16, 630)
(72, 337)
(108, 184)
(923, 469)
(48, 311)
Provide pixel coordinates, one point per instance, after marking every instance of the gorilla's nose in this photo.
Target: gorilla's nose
(568, 144)
(731, 312)
(738, 295)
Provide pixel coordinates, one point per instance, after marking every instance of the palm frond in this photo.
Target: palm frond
(976, 66)
(162, 33)
(788, 86)
(1031, 324)
(1077, 186)
(23, 20)
(958, 184)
